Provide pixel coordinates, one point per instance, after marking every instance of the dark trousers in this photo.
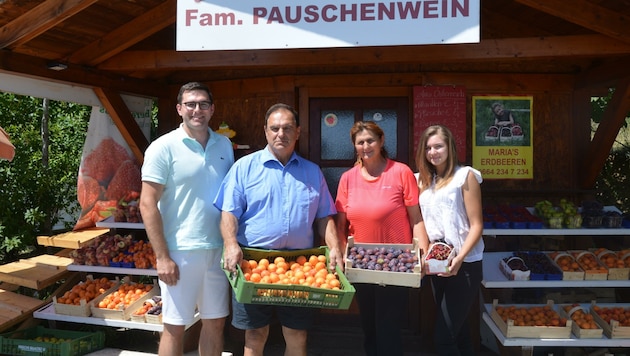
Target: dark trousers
(454, 297)
(382, 311)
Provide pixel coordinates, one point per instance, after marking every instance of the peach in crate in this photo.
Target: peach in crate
(78, 300)
(593, 269)
(438, 258)
(544, 321)
(571, 270)
(123, 301)
(584, 325)
(617, 269)
(613, 318)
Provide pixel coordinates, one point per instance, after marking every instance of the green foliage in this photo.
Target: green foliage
(35, 195)
(613, 183)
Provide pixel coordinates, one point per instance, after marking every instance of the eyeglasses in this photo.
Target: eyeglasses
(203, 105)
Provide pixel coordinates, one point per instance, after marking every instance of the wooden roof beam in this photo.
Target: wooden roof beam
(604, 75)
(599, 148)
(587, 15)
(40, 19)
(128, 35)
(487, 50)
(126, 124)
(33, 67)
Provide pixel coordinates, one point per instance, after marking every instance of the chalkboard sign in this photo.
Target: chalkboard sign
(445, 105)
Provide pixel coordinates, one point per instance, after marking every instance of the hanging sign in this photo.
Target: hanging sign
(445, 105)
(502, 140)
(265, 24)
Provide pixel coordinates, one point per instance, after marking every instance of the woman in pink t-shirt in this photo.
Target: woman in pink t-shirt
(377, 202)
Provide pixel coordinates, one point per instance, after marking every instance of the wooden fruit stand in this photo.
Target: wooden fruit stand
(37, 273)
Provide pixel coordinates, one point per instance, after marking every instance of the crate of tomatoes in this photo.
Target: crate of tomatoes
(290, 278)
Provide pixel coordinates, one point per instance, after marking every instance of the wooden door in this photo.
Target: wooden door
(330, 120)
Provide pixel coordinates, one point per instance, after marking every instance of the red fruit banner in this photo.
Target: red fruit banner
(109, 175)
(445, 105)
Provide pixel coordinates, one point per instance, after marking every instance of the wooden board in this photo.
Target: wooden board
(31, 275)
(49, 261)
(72, 239)
(16, 307)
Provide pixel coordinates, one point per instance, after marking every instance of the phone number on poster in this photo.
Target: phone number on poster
(504, 171)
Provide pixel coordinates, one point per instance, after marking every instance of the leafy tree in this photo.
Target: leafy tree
(613, 183)
(35, 191)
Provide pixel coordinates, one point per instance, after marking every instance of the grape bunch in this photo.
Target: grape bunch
(383, 259)
(439, 251)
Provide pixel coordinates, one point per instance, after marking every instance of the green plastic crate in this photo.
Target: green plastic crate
(288, 294)
(39, 341)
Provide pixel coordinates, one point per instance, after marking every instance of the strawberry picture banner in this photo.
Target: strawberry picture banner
(109, 175)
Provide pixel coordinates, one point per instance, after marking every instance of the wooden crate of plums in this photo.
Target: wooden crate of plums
(383, 264)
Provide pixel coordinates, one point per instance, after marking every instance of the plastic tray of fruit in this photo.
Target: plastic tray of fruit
(50, 342)
(571, 270)
(383, 264)
(78, 300)
(514, 268)
(613, 318)
(120, 303)
(539, 321)
(290, 290)
(584, 325)
(438, 258)
(540, 265)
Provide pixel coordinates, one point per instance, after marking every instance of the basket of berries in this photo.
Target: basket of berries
(438, 258)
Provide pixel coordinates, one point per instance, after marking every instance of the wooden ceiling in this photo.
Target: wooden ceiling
(129, 45)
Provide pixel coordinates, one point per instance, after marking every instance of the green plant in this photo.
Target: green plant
(37, 192)
(613, 183)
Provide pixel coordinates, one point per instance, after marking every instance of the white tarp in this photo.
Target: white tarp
(204, 25)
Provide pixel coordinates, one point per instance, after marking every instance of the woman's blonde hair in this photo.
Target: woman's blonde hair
(425, 168)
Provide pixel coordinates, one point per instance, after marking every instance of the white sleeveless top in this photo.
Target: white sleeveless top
(445, 216)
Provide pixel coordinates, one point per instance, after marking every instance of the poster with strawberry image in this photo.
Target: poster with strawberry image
(109, 178)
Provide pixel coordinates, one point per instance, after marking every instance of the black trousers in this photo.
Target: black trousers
(454, 297)
(382, 311)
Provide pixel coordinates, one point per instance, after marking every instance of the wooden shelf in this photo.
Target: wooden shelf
(555, 232)
(113, 270)
(572, 342)
(110, 223)
(493, 278)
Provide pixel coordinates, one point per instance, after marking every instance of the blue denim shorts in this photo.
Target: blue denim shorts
(254, 316)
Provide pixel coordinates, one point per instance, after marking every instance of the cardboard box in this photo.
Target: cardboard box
(534, 332)
(513, 275)
(434, 266)
(383, 278)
